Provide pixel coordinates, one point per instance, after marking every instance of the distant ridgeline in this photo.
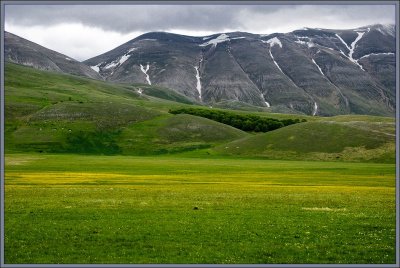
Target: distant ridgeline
(244, 122)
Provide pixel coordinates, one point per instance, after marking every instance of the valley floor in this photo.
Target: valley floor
(168, 209)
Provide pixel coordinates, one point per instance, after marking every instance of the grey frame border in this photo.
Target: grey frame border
(240, 2)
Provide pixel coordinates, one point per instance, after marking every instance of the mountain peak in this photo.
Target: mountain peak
(22, 51)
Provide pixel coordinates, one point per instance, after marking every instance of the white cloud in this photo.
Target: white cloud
(73, 39)
(312, 16)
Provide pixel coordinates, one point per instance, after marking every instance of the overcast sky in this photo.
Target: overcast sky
(85, 31)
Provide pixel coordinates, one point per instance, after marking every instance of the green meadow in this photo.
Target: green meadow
(99, 173)
(126, 209)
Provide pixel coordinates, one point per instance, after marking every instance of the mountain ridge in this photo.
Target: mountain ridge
(311, 71)
(240, 66)
(22, 51)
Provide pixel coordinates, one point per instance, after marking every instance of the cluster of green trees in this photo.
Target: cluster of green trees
(244, 122)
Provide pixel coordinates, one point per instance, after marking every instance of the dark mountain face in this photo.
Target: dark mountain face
(24, 52)
(312, 71)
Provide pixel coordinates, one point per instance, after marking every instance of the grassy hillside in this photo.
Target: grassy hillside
(53, 113)
(49, 112)
(322, 140)
(173, 134)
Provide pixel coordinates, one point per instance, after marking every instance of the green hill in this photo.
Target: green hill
(57, 113)
(50, 112)
(323, 140)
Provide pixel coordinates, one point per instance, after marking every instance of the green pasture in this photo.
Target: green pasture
(166, 209)
(56, 113)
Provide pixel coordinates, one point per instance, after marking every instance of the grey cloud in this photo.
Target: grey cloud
(126, 18)
(216, 18)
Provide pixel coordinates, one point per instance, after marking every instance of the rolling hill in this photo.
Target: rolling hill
(58, 113)
(63, 113)
(321, 140)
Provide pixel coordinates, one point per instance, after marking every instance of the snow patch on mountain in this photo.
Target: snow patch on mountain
(315, 109)
(273, 41)
(342, 41)
(130, 50)
(341, 52)
(111, 65)
(119, 61)
(277, 65)
(220, 39)
(240, 37)
(353, 45)
(301, 42)
(275, 61)
(263, 98)
(352, 48)
(96, 68)
(309, 44)
(123, 59)
(376, 54)
(145, 72)
(319, 68)
(198, 85)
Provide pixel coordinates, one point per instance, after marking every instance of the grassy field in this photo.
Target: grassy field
(127, 209)
(100, 173)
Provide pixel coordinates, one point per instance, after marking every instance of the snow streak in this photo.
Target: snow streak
(130, 50)
(270, 53)
(376, 54)
(338, 89)
(119, 61)
(145, 72)
(266, 102)
(220, 39)
(319, 68)
(275, 61)
(342, 41)
(198, 86)
(315, 109)
(352, 48)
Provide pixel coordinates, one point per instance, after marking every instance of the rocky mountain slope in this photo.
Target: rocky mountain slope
(22, 51)
(312, 71)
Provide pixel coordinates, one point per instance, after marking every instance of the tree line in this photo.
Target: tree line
(244, 122)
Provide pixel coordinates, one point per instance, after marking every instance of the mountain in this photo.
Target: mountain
(21, 51)
(310, 71)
